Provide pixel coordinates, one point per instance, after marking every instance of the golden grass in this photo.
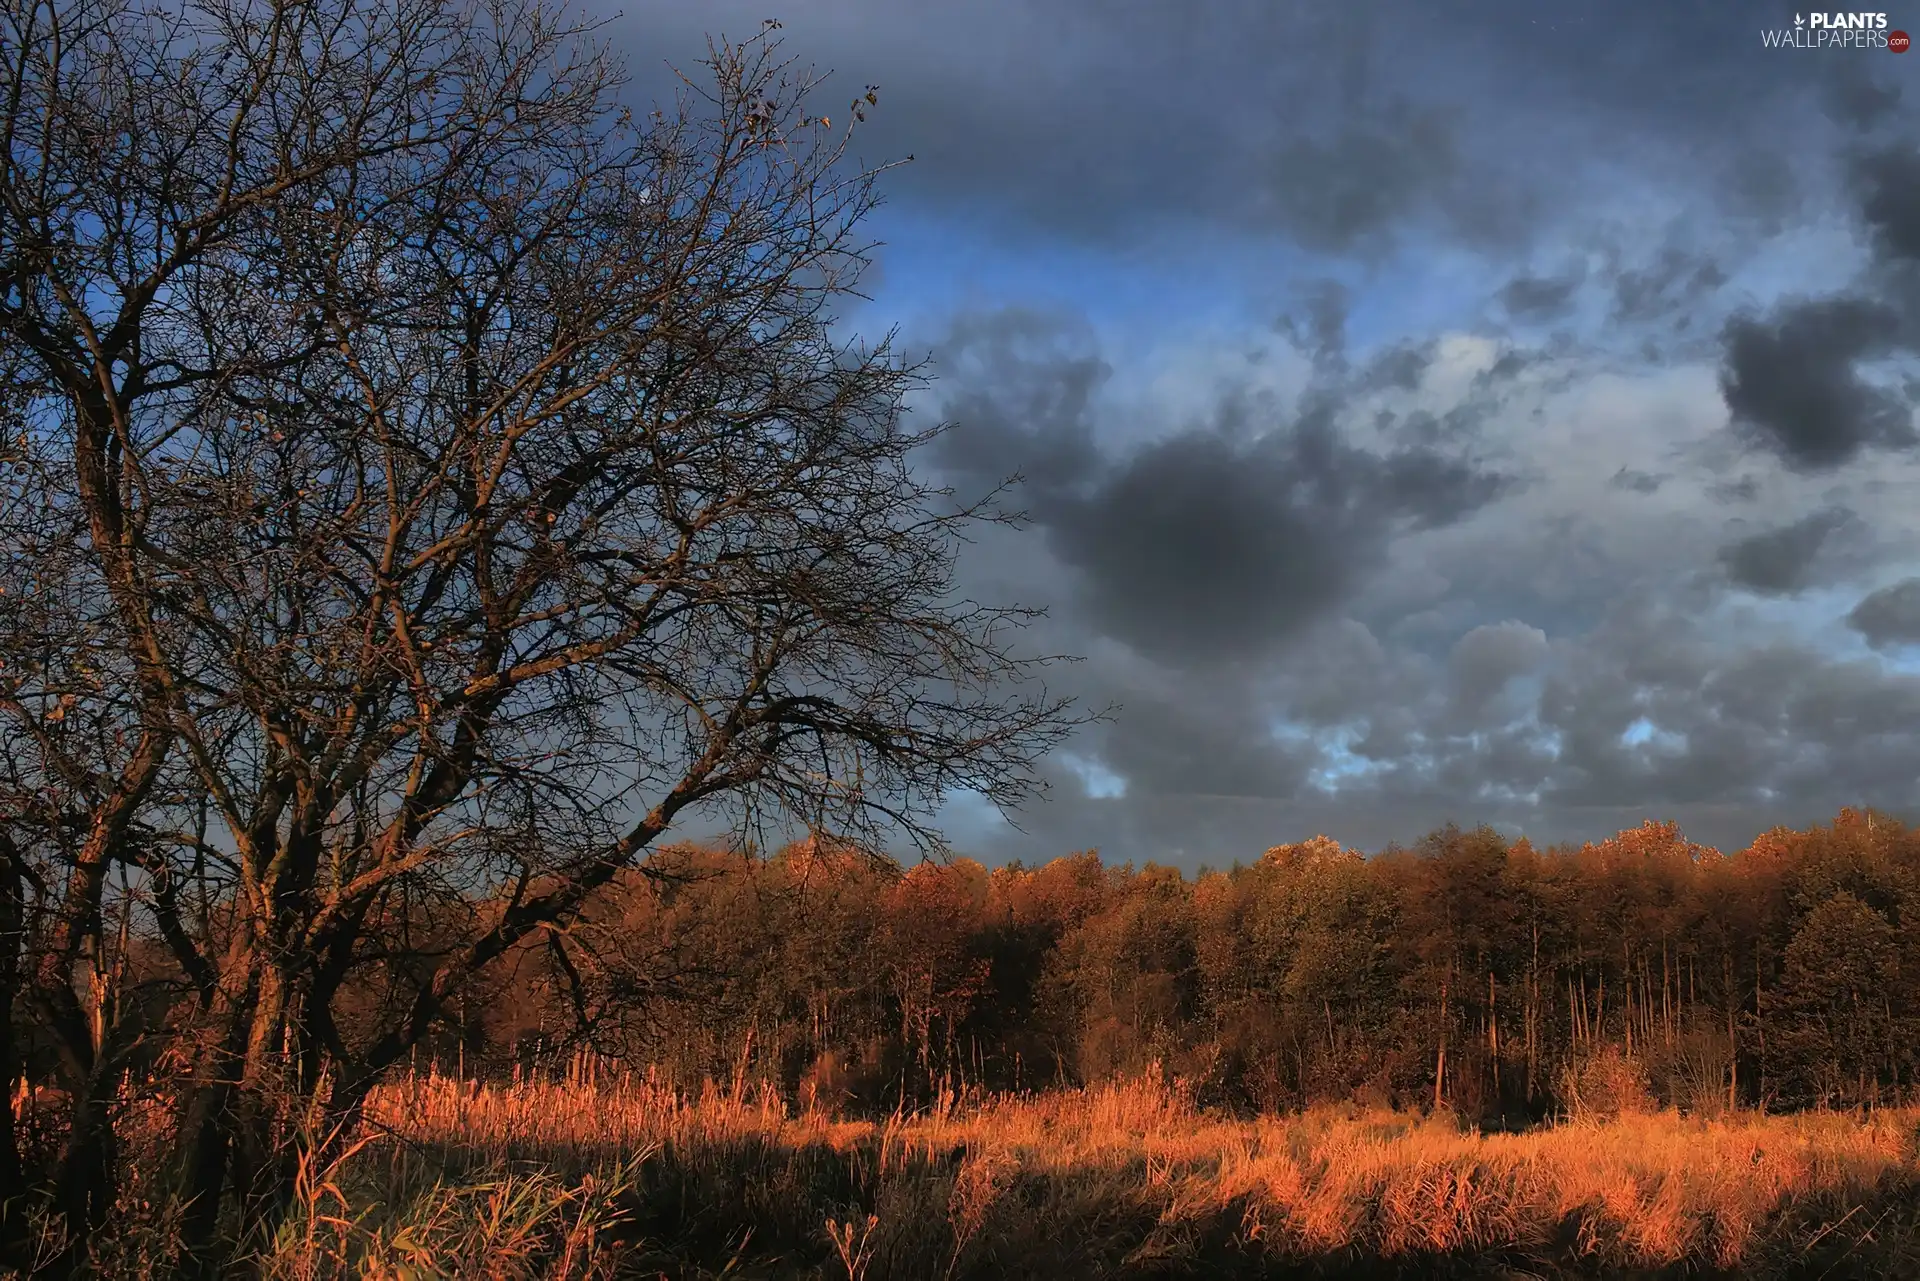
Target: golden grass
(1130, 1180)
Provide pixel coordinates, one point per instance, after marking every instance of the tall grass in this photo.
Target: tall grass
(609, 1176)
(1129, 1179)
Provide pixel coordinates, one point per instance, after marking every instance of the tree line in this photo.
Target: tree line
(1503, 980)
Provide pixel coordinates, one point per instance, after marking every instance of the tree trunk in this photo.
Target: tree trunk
(207, 1153)
(204, 1152)
(13, 1226)
(1760, 1026)
(84, 1185)
(1493, 1033)
(1533, 1013)
(1733, 1041)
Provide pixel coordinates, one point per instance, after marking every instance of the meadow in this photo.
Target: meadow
(1474, 1058)
(607, 1175)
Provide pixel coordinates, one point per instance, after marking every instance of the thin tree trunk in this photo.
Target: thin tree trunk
(1533, 1013)
(1666, 1006)
(1733, 1041)
(1626, 992)
(1493, 1033)
(13, 1226)
(1760, 1026)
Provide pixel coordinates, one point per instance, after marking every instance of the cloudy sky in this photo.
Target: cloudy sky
(1430, 410)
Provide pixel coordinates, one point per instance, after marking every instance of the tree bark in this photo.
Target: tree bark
(13, 1188)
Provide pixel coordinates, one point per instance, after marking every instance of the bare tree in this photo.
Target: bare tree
(426, 484)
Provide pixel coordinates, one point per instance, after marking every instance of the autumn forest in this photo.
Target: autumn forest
(1506, 982)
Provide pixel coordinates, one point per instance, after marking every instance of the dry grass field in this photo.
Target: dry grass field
(628, 1178)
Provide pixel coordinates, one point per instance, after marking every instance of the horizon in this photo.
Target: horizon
(1649, 829)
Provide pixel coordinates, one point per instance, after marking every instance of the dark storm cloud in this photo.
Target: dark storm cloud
(1197, 548)
(1210, 543)
(1780, 561)
(1793, 380)
(1890, 616)
(1793, 384)
(1888, 185)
